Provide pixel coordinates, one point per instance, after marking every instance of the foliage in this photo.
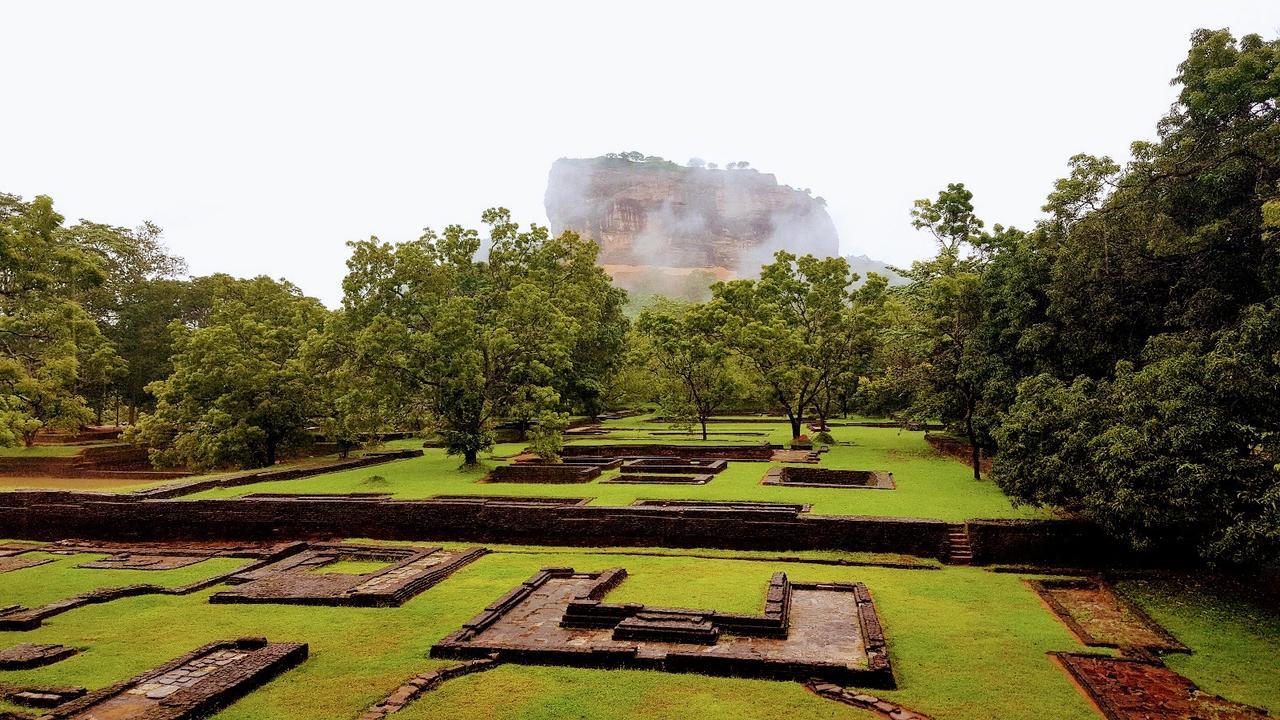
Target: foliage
(466, 338)
(240, 393)
(548, 435)
(798, 329)
(691, 374)
(1148, 362)
(349, 404)
(52, 347)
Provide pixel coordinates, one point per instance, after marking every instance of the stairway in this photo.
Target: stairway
(959, 551)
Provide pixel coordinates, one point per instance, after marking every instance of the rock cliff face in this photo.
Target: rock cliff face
(658, 214)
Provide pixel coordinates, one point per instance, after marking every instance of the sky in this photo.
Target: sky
(264, 136)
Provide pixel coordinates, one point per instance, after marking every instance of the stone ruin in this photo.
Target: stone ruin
(32, 655)
(823, 478)
(649, 479)
(827, 630)
(194, 685)
(669, 466)
(299, 578)
(543, 473)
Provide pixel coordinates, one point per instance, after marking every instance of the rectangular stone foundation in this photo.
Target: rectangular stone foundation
(194, 685)
(294, 580)
(667, 466)
(824, 478)
(556, 617)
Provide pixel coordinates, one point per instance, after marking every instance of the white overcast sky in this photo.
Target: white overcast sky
(262, 136)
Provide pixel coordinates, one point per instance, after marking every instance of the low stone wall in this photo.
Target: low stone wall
(822, 477)
(57, 515)
(1053, 543)
(543, 474)
(958, 449)
(270, 475)
(758, 452)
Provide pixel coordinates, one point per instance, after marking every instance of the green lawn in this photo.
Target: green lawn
(966, 644)
(929, 485)
(61, 578)
(35, 451)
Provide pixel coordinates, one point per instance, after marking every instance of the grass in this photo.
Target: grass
(61, 578)
(1235, 639)
(929, 485)
(40, 451)
(966, 644)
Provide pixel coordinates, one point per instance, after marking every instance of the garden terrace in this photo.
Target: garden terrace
(666, 466)
(967, 644)
(303, 578)
(556, 617)
(548, 474)
(826, 478)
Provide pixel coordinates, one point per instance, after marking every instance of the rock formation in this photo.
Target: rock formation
(653, 213)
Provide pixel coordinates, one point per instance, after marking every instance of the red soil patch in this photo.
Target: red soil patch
(1131, 689)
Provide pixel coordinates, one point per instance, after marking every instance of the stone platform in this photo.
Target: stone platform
(299, 579)
(557, 617)
(824, 478)
(194, 685)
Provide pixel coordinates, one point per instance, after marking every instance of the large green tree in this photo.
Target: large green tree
(240, 392)
(691, 374)
(796, 329)
(50, 346)
(465, 337)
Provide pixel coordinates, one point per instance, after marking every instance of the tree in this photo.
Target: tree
(1145, 359)
(692, 374)
(463, 337)
(51, 345)
(794, 329)
(949, 297)
(240, 393)
(350, 406)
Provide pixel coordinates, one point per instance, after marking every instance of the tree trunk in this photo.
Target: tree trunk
(470, 457)
(271, 452)
(796, 422)
(703, 420)
(973, 446)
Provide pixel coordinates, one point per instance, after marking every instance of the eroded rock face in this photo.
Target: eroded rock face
(661, 214)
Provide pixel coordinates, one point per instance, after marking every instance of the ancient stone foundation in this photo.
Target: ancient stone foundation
(818, 477)
(762, 452)
(549, 474)
(194, 685)
(299, 578)
(669, 466)
(559, 617)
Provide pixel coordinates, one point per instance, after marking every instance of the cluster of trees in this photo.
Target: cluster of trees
(430, 337)
(1121, 359)
(77, 327)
